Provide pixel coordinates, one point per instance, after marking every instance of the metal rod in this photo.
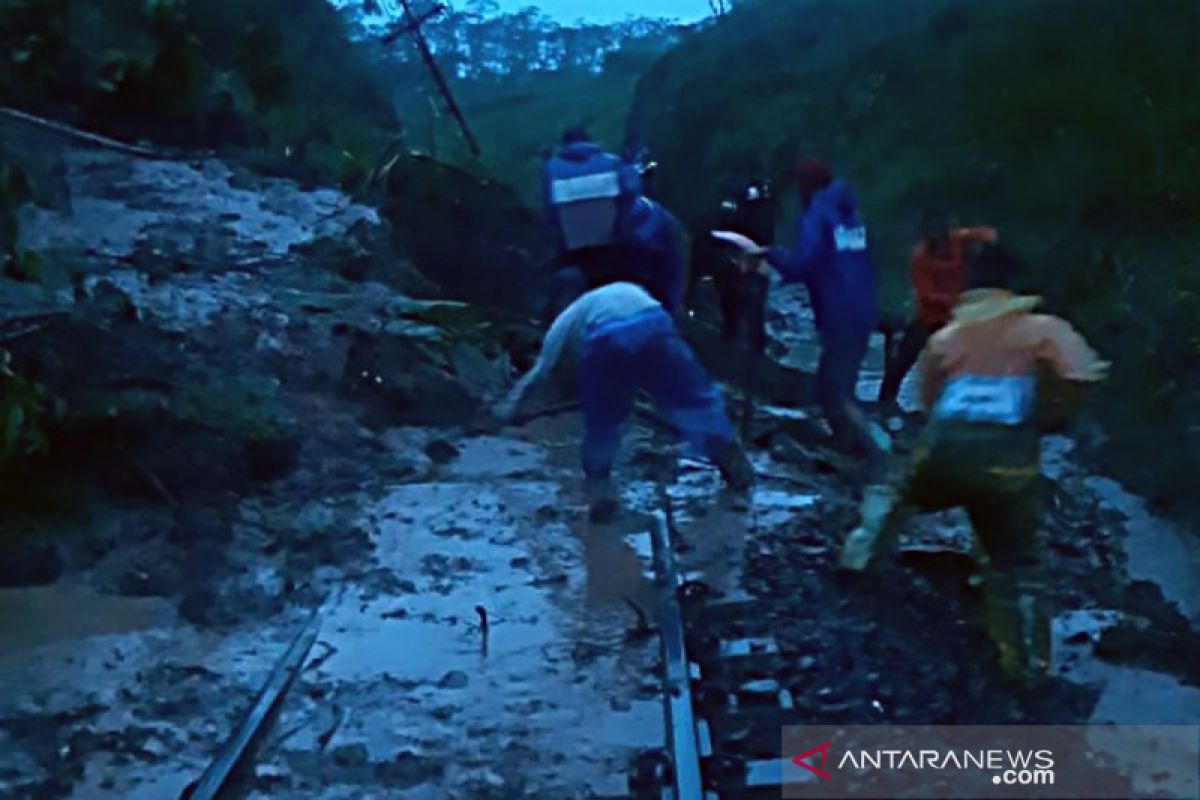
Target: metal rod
(682, 743)
(238, 750)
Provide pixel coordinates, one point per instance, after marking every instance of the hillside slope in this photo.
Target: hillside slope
(1070, 125)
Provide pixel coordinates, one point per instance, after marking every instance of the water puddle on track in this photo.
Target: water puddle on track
(558, 694)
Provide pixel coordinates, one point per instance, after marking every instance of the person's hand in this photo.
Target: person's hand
(505, 411)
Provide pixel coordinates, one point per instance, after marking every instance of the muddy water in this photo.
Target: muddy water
(552, 699)
(556, 656)
(407, 695)
(1156, 549)
(33, 618)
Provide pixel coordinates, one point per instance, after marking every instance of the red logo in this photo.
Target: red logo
(800, 761)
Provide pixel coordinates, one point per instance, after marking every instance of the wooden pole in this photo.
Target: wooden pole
(402, 29)
(414, 24)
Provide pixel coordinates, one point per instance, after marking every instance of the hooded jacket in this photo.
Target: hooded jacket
(586, 158)
(831, 257)
(649, 249)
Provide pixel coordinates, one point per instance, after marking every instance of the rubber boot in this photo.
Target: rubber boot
(1018, 623)
(734, 466)
(860, 546)
(603, 504)
(736, 470)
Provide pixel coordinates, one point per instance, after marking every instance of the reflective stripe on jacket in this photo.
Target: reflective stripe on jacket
(988, 364)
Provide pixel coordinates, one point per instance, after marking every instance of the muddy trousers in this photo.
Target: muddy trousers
(645, 353)
(743, 306)
(991, 471)
(902, 359)
(841, 360)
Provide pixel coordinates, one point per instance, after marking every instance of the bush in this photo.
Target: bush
(196, 73)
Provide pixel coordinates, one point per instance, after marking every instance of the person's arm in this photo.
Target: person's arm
(539, 386)
(1068, 354)
(675, 265)
(1067, 368)
(795, 263)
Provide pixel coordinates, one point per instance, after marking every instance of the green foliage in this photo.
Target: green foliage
(1070, 125)
(195, 72)
(520, 79)
(308, 87)
(518, 118)
(25, 265)
(471, 235)
(13, 192)
(22, 414)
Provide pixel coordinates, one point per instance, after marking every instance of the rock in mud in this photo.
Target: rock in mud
(351, 756)
(441, 451)
(238, 600)
(107, 303)
(407, 770)
(454, 680)
(206, 524)
(334, 546)
(24, 563)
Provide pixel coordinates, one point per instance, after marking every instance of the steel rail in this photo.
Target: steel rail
(238, 751)
(683, 747)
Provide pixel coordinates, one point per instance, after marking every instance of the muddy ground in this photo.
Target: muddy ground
(256, 432)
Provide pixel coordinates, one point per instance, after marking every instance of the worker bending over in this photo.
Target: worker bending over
(607, 345)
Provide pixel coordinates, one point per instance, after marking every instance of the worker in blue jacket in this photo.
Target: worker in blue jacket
(831, 258)
(606, 229)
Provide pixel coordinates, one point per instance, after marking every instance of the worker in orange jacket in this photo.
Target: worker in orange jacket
(938, 273)
(994, 380)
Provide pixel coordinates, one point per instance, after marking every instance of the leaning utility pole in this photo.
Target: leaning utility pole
(412, 26)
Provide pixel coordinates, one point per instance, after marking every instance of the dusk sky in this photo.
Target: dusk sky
(610, 10)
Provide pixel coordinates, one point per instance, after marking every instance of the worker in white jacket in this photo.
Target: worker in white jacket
(608, 345)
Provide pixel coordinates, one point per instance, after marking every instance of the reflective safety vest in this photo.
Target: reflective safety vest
(587, 191)
(995, 399)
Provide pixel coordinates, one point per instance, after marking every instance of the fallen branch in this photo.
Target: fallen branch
(326, 736)
(93, 139)
(17, 334)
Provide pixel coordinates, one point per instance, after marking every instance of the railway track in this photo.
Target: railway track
(726, 692)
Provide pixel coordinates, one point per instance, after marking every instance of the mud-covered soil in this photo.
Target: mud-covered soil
(242, 443)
